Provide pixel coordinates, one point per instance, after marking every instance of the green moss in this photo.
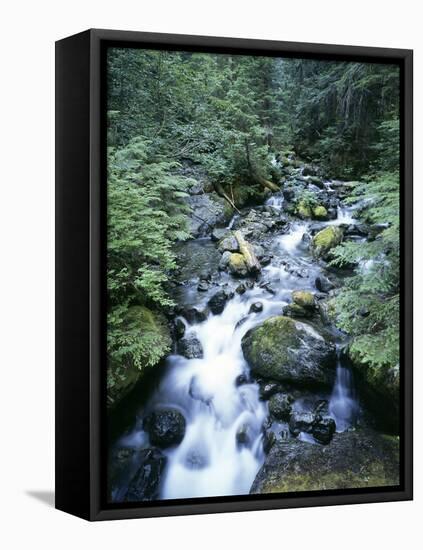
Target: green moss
(320, 212)
(325, 240)
(303, 298)
(237, 265)
(303, 209)
(374, 476)
(143, 340)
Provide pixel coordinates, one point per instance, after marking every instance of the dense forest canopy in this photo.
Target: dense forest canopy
(233, 115)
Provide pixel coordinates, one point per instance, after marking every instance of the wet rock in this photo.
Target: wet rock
(258, 251)
(265, 260)
(194, 315)
(243, 287)
(325, 240)
(241, 380)
(165, 427)
(219, 234)
(237, 266)
(218, 301)
(267, 389)
(179, 328)
(285, 350)
(321, 407)
(323, 429)
(229, 243)
(145, 484)
(280, 406)
(244, 435)
(297, 312)
(190, 347)
(269, 439)
(323, 284)
(256, 307)
(352, 460)
(301, 422)
(203, 286)
(267, 286)
(241, 322)
(224, 260)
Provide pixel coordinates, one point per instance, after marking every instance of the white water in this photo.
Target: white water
(343, 405)
(275, 201)
(344, 216)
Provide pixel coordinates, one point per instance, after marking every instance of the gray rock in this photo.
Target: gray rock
(145, 484)
(218, 301)
(280, 406)
(190, 347)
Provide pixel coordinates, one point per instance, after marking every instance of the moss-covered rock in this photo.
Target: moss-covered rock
(303, 298)
(325, 240)
(303, 210)
(351, 460)
(142, 329)
(320, 213)
(297, 312)
(237, 265)
(285, 350)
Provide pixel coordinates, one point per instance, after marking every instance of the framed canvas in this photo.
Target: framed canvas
(233, 274)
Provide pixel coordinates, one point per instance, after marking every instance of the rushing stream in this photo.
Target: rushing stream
(215, 393)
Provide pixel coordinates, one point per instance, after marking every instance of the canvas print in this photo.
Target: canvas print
(253, 280)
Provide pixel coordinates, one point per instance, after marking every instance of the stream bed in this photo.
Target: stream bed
(215, 407)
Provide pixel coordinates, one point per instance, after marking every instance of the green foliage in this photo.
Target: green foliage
(340, 111)
(146, 215)
(368, 305)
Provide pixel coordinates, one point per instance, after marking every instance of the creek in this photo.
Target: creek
(222, 448)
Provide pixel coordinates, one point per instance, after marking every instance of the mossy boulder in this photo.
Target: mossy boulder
(303, 298)
(352, 460)
(237, 265)
(303, 210)
(320, 213)
(286, 350)
(326, 239)
(144, 329)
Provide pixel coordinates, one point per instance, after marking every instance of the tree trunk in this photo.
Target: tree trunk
(246, 249)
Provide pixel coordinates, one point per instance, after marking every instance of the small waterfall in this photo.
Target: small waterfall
(343, 405)
(275, 201)
(232, 221)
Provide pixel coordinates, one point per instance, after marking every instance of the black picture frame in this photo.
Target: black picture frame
(80, 274)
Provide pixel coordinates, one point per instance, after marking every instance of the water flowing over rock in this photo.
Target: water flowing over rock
(288, 351)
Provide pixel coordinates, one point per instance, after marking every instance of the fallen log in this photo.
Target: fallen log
(246, 249)
(221, 192)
